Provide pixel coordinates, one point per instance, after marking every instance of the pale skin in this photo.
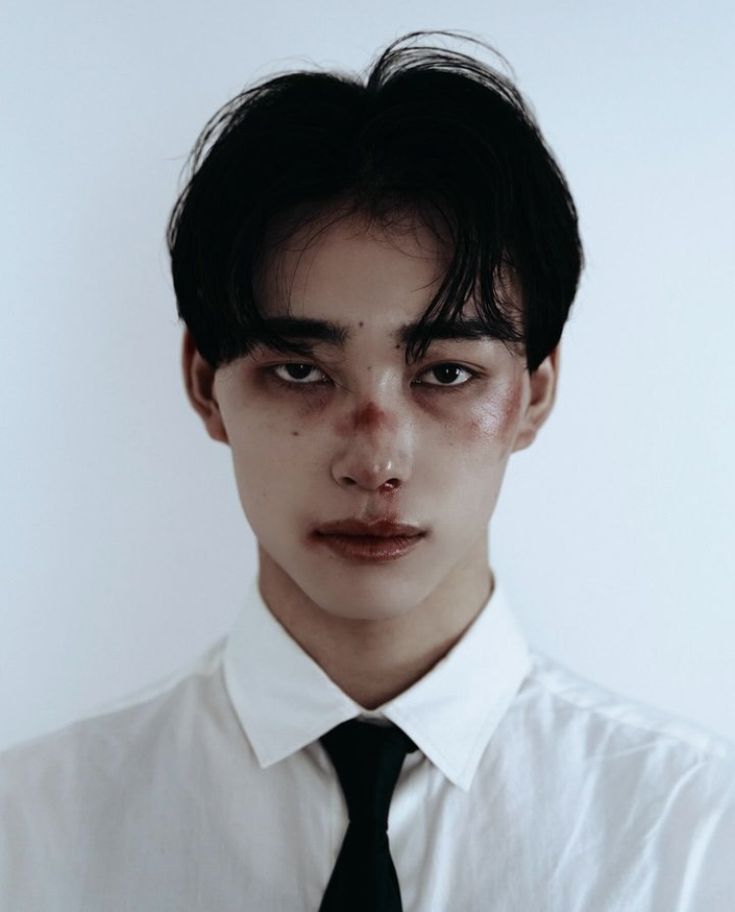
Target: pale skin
(318, 443)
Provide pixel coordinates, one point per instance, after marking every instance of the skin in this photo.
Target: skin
(307, 452)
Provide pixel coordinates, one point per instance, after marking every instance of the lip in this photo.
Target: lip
(370, 548)
(379, 528)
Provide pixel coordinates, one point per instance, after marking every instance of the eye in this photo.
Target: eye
(296, 373)
(447, 375)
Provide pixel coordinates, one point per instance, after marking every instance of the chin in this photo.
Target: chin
(369, 592)
(346, 589)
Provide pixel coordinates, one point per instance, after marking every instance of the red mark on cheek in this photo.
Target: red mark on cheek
(498, 417)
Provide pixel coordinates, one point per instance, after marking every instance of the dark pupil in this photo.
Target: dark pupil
(446, 372)
(299, 371)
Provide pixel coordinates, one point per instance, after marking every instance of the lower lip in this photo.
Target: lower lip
(369, 548)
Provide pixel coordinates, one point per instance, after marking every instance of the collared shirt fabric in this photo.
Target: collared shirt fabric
(532, 790)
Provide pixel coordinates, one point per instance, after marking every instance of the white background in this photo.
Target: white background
(123, 549)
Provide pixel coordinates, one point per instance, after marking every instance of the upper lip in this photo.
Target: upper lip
(379, 528)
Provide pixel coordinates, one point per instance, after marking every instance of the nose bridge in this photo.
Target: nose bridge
(373, 405)
(372, 416)
(374, 432)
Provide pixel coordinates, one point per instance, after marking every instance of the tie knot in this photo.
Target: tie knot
(368, 759)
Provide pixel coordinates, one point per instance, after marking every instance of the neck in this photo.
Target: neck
(373, 661)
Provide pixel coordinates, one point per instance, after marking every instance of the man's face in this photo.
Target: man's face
(315, 440)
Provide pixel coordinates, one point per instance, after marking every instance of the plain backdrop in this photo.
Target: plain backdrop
(124, 552)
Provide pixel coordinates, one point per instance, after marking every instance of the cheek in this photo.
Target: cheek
(494, 421)
(262, 456)
(483, 428)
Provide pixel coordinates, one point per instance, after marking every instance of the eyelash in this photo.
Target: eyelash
(302, 386)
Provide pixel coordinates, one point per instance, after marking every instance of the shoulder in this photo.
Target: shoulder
(663, 785)
(563, 695)
(679, 772)
(74, 801)
(55, 768)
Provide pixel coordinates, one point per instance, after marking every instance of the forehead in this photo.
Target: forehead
(351, 266)
(342, 277)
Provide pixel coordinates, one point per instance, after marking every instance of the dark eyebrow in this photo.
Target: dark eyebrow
(337, 334)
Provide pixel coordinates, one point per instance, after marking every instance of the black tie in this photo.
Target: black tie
(368, 759)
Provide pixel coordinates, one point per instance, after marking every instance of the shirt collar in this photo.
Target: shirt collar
(285, 700)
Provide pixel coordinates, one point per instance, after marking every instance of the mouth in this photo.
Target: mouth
(370, 548)
(379, 528)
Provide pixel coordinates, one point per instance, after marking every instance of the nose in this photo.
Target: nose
(374, 449)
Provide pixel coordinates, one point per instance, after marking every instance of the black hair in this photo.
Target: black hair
(428, 131)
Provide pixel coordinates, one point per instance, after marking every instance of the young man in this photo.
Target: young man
(374, 279)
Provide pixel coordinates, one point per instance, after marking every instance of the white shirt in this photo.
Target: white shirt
(532, 790)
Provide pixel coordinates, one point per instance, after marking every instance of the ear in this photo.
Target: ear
(199, 383)
(543, 383)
